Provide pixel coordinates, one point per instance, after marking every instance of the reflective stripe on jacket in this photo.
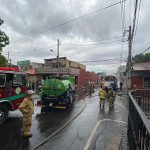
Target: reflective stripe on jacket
(102, 94)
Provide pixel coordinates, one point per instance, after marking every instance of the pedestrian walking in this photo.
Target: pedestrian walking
(30, 85)
(102, 96)
(121, 84)
(111, 97)
(33, 85)
(27, 109)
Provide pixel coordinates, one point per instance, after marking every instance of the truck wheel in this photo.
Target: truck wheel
(69, 103)
(71, 99)
(3, 113)
(43, 99)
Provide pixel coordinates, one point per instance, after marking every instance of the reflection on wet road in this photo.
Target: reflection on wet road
(74, 136)
(43, 124)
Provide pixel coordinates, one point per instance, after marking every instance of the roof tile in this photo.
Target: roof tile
(141, 67)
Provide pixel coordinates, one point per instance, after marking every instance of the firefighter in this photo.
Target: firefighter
(111, 97)
(27, 109)
(121, 84)
(102, 96)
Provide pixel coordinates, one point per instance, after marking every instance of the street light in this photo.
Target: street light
(53, 52)
(58, 43)
(57, 56)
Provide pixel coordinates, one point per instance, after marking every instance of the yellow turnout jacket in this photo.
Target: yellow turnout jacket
(26, 107)
(102, 94)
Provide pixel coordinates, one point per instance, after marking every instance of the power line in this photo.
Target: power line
(138, 17)
(123, 26)
(134, 19)
(123, 21)
(130, 13)
(112, 59)
(88, 14)
(75, 19)
(137, 22)
(93, 40)
(131, 36)
(121, 5)
(139, 60)
(90, 44)
(122, 14)
(143, 51)
(101, 61)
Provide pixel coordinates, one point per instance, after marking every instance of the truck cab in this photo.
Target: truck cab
(12, 90)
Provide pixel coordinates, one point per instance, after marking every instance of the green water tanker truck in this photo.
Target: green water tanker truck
(58, 92)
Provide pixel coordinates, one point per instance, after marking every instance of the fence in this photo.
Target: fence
(138, 120)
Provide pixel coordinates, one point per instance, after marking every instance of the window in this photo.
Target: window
(2, 80)
(19, 80)
(76, 80)
(147, 82)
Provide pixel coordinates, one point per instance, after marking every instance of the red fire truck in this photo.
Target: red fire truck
(12, 90)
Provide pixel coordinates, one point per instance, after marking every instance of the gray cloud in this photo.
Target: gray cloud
(27, 24)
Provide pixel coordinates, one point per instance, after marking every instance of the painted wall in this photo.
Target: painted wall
(92, 77)
(81, 78)
(136, 82)
(85, 78)
(137, 79)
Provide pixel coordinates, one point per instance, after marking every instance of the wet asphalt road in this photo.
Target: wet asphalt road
(76, 135)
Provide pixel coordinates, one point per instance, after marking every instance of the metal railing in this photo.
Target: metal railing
(138, 120)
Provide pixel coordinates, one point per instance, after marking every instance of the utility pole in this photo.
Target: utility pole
(8, 57)
(129, 58)
(10, 62)
(58, 58)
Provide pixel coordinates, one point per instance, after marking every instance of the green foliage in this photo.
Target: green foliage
(141, 58)
(120, 73)
(4, 40)
(3, 61)
(1, 21)
(102, 73)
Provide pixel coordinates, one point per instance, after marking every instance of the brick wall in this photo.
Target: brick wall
(82, 78)
(86, 77)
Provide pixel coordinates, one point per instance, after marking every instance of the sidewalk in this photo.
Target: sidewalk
(111, 129)
(120, 142)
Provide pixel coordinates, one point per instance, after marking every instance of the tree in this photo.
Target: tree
(3, 61)
(101, 73)
(120, 73)
(141, 58)
(4, 40)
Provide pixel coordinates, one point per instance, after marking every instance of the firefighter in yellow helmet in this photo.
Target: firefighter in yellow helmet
(27, 109)
(102, 96)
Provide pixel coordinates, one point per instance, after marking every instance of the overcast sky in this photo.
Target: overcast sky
(29, 25)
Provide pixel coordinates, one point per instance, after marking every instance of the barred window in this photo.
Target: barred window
(147, 82)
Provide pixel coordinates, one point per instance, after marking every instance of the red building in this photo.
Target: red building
(82, 78)
(140, 76)
(92, 77)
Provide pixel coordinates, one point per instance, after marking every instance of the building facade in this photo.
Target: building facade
(140, 76)
(63, 67)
